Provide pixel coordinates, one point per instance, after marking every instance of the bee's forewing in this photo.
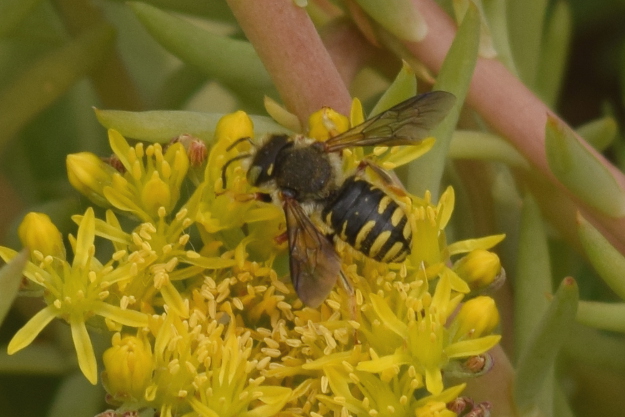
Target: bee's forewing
(314, 263)
(406, 123)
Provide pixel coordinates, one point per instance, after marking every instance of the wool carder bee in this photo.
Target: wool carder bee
(305, 176)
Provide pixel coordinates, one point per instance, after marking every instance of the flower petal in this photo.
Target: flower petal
(471, 347)
(84, 348)
(126, 317)
(31, 329)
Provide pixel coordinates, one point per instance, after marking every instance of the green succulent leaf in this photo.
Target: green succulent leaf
(533, 273)
(10, 278)
(526, 22)
(454, 77)
(554, 53)
(604, 316)
(580, 171)
(13, 12)
(607, 261)
(162, 125)
(51, 77)
(538, 357)
(402, 88)
(399, 17)
(599, 133)
(233, 62)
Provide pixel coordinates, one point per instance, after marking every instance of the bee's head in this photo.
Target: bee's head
(262, 168)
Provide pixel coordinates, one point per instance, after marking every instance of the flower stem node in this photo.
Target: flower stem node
(479, 268)
(38, 233)
(128, 367)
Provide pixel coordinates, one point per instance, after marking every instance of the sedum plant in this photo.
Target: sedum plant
(161, 286)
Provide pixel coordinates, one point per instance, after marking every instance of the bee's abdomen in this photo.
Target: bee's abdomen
(369, 220)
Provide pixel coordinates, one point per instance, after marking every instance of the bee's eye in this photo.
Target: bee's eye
(253, 174)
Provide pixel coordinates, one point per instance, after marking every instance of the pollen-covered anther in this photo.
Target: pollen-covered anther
(57, 303)
(379, 150)
(274, 353)
(184, 239)
(161, 212)
(192, 254)
(103, 295)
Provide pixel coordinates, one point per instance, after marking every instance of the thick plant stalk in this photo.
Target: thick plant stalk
(292, 51)
(511, 109)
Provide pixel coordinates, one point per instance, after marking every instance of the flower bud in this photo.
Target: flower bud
(326, 123)
(477, 317)
(234, 126)
(128, 367)
(479, 268)
(89, 174)
(37, 232)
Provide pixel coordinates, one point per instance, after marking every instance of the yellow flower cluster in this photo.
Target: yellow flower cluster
(202, 316)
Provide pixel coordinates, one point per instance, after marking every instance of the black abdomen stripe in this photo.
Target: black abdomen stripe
(370, 221)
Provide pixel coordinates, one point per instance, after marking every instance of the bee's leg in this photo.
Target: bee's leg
(388, 178)
(352, 306)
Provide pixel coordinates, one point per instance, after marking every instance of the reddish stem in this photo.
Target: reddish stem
(292, 51)
(510, 108)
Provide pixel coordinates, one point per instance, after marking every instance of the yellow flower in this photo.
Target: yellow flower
(151, 180)
(128, 366)
(326, 123)
(89, 174)
(479, 268)
(205, 281)
(477, 317)
(75, 292)
(38, 233)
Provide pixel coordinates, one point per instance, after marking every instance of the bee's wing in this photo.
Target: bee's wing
(403, 124)
(314, 263)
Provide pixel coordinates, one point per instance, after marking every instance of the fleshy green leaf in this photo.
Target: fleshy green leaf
(607, 261)
(50, 77)
(525, 24)
(599, 133)
(13, 12)
(232, 62)
(533, 274)
(467, 144)
(402, 88)
(496, 14)
(538, 357)
(162, 126)
(454, 77)
(605, 316)
(580, 171)
(554, 53)
(399, 17)
(10, 278)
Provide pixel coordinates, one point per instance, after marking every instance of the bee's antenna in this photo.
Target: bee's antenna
(236, 158)
(236, 142)
(227, 164)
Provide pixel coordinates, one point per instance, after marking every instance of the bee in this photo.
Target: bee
(305, 176)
